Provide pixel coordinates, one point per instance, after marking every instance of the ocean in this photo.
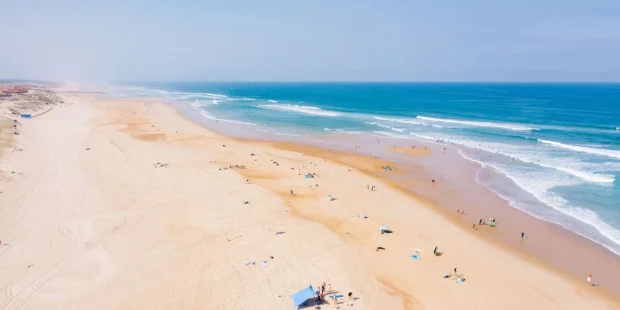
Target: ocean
(557, 145)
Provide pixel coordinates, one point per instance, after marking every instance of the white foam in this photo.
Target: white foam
(538, 187)
(347, 131)
(397, 129)
(524, 155)
(590, 177)
(248, 99)
(299, 109)
(273, 101)
(207, 115)
(398, 120)
(429, 138)
(212, 95)
(287, 134)
(478, 124)
(583, 149)
(590, 217)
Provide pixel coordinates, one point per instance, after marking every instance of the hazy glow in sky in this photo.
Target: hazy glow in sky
(331, 40)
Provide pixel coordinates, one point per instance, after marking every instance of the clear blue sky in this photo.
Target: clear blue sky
(333, 40)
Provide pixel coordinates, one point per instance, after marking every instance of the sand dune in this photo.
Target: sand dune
(119, 204)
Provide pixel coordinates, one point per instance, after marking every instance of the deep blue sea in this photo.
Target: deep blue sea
(564, 138)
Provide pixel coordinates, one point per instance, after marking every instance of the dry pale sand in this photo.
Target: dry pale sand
(122, 204)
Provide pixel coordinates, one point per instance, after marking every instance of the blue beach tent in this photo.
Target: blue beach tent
(303, 295)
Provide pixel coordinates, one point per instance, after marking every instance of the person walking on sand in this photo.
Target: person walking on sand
(291, 192)
(523, 236)
(350, 302)
(455, 271)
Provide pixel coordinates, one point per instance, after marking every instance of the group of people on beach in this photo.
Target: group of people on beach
(491, 221)
(323, 290)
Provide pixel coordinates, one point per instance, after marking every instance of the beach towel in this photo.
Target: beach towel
(383, 227)
(337, 296)
(415, 256)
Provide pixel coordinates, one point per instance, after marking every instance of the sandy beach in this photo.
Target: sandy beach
(126, 204)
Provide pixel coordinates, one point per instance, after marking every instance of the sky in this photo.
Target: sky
(311, 40)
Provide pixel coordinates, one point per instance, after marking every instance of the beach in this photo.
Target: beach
(126, 203)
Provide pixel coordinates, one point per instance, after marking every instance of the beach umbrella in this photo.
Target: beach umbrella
(383, 227)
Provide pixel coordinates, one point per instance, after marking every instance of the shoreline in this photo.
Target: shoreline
(131, 203)
(549, 244)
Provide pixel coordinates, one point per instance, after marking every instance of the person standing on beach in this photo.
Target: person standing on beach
(455, 271)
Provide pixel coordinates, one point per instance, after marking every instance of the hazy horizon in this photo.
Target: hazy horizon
(323, 41)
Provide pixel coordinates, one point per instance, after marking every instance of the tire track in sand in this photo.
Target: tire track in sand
(60, 282)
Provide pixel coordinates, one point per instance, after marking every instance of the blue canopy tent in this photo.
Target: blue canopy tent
(303, 295)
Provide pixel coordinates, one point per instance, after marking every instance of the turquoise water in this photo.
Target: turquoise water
(558, 144)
